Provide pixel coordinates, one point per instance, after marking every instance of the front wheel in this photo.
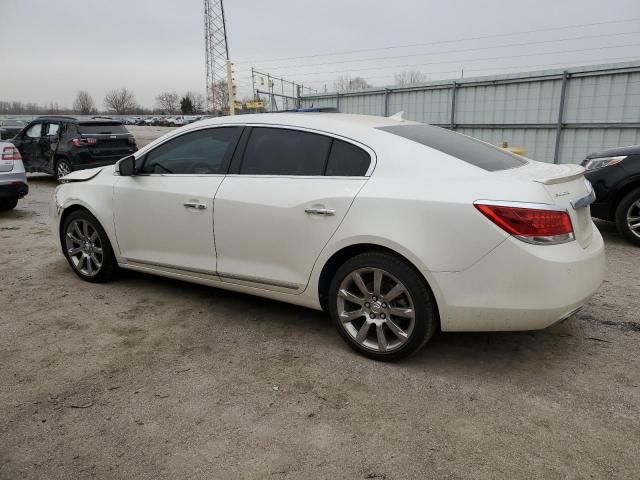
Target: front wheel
(381, 306)
(628, 217)
(87, 248)
(63, 167)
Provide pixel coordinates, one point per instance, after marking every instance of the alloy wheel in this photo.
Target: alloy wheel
(63, 169)
(376, 309)
(84, 247)
(633, 218)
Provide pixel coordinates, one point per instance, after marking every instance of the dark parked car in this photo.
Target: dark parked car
(9, 128)
(59, 144)
(615, 176)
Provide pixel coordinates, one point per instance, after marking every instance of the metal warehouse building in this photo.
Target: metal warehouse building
(556, 115)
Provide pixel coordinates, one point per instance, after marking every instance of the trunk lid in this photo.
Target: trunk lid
(567, 187)
(112, 139)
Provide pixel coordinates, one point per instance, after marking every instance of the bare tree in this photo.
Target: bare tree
(84, 103)
(410, 77)
(197, 100)
(168, 102)
(220, 95)
(345, 83)
(121, 101)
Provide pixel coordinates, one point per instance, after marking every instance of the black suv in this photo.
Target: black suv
(59, 144)
(615, 176)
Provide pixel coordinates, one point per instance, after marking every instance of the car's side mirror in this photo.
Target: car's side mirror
(127, 166)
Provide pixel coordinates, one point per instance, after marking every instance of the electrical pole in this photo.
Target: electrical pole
(232, 99)
(216, 53)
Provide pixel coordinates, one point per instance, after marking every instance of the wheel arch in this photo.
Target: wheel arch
(633, 184)
(74, 207)
(338, 258)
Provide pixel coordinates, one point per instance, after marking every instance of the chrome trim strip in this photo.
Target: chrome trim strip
(222, 276)
(173, 267)
(536, 206)
(584, 201)
(262, 281)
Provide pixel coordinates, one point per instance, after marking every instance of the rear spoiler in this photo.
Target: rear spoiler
(571, 172)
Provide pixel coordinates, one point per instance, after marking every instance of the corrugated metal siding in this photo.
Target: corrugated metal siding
(601, 108)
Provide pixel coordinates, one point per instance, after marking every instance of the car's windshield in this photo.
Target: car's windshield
(465, 148)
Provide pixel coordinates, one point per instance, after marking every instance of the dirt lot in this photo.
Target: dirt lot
(152, 378)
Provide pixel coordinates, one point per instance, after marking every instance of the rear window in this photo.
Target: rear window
(465, 148)
(347, 160)
(102, 127)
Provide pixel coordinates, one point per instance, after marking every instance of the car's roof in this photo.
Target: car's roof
(616, 152)
(319, 120)
(79, 119)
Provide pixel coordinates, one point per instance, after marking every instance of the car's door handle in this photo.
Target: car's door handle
(195, 205)
(325, 212)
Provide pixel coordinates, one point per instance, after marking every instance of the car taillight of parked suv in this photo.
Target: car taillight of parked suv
(59, 145)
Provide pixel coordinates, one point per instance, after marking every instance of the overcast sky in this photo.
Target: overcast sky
(51, 49)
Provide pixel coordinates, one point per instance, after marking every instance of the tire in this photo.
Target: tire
(383, 338)
(63, 167)
(7, 204)
(88, 250)
(628, 217)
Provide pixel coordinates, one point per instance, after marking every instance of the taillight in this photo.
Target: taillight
(541, 224)
(10, 153)
(83, 142)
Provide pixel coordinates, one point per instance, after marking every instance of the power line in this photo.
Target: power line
(511, 67)
(468, 60)
(440, 42)
(456, 51)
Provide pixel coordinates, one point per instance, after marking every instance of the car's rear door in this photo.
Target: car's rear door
(164, 214)
(49, 143)
(276, 209)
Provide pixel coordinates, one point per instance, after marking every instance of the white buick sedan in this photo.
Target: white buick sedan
(395, 228)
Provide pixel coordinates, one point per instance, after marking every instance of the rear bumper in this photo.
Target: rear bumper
(519, 286)
(100, 163)
(13, 184)
(13, 189)
(601, 210)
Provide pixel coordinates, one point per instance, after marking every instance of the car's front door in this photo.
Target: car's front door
(164, 213)
(277, 208)
(29, 146)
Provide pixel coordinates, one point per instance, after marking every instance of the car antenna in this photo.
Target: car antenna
(398, 116)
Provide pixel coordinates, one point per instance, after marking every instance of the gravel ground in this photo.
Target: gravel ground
(152, 378)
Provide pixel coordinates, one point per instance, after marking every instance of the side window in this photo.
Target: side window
(34, 130)
(202, 152)
(347, 160)
(53, 129)
(279, 151)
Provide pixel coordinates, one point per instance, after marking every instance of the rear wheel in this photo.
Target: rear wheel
(63, 167)
(381, 306)
(8, 204)
(628, 216)
(87, 247)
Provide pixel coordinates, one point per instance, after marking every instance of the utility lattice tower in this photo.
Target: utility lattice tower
(217, 54)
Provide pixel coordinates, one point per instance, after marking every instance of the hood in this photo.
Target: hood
(615, 152)
(81, 175)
